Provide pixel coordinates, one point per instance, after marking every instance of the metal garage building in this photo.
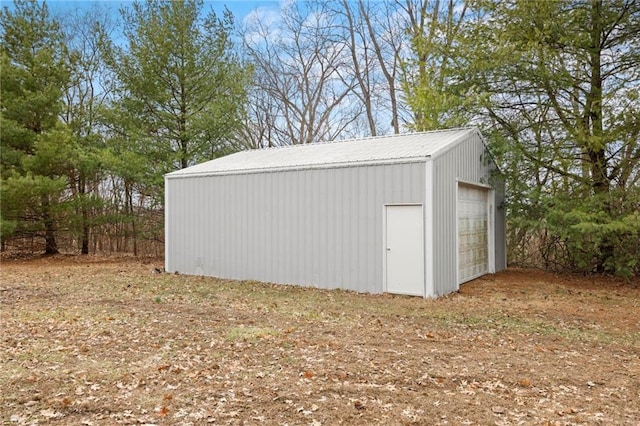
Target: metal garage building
(414, 214)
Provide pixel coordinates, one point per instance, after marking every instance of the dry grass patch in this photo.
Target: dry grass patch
(106, 341)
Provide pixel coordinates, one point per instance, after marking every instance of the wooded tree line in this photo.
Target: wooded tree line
(97, 106)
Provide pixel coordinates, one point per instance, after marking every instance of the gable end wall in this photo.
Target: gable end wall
(466, 161)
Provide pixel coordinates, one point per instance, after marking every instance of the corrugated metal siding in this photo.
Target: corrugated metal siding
(317, 227)
(466, 161)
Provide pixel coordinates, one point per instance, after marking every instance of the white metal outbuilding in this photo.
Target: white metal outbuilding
(414, 214)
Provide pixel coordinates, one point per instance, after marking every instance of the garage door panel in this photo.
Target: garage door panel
(473, 244)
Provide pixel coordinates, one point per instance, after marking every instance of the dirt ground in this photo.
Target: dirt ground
(93, 341)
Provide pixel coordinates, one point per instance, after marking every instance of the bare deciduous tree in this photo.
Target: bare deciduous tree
(304, 78)
(385, 28)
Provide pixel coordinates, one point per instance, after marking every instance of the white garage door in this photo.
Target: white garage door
(473, 241)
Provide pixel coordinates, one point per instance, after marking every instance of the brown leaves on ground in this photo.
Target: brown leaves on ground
(90, 341)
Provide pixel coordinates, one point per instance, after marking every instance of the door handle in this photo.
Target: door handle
(388, 249)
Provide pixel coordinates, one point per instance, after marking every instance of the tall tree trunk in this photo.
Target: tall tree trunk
(85, 216)
(85, 236)
(597, 155)
(389, 75)
(363, 80)
(51, 246)
(595, 150)
(135, 238)
(129, 212)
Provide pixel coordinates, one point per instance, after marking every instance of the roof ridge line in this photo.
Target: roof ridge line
(365, 138)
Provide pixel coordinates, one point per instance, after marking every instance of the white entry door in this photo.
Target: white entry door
(473, 233)
(404, 251)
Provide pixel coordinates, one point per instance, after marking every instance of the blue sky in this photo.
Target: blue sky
(239, 8)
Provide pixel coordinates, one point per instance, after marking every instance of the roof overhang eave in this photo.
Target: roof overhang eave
(180, 174)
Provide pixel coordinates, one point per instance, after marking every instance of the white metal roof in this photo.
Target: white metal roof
(373, 150)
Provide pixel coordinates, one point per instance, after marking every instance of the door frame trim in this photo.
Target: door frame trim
(384, 244)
